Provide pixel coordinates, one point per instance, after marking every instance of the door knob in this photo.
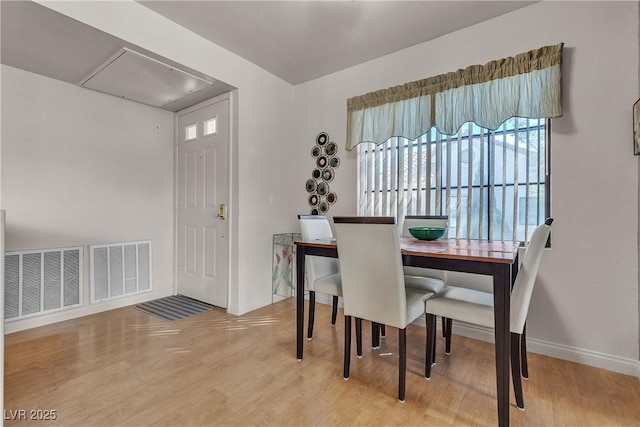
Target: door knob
(222, 211)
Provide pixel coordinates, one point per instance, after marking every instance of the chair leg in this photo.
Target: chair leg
(447, 349)
(434, 334)
(402, 364)
(431, 323)
(515, 370)
(358, 337)
(312, 313)
(334, 310)
(383, 331)
(444, 328)
(347, 346)
(523, 354)
(433, 348)
(375, 335)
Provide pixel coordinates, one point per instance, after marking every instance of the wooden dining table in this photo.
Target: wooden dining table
(498, 259)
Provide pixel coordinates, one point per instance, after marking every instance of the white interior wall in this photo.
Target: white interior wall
(261, 164)
(81, 168)
(585, 304)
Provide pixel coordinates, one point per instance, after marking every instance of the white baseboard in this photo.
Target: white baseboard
(85, 310)
(278, 298)
(609, 362)
(249, 306)
(586, 357)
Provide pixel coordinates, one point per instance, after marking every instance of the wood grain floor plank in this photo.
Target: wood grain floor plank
(126, 368)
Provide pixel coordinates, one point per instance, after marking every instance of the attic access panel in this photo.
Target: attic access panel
(136, 77)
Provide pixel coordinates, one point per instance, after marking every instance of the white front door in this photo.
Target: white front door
(202, 197)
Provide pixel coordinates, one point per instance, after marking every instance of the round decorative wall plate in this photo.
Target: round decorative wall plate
(331, 149)
(322, 139)
(311, 185)
(314, 199)
(316, 151)
(323, 188)
(316, 174)
(334, 162)
(322, 161)
(332, 198)
(315, 211)
(323, 207)
(327, 175)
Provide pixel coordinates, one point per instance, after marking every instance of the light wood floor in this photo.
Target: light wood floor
(126, 368)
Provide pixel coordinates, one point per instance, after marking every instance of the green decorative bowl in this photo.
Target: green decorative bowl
(427, 233)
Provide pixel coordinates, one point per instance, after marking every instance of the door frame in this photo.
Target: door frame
(231, 205)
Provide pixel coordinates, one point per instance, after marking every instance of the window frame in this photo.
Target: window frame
(387, 202)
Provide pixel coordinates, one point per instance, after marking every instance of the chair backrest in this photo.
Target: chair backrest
(423, 221)
(526, 278)
(371, 269)
(313, 227)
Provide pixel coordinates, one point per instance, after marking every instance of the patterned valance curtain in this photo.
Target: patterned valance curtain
(526, 85)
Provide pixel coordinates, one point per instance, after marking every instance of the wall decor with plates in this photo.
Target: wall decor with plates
(326, 161)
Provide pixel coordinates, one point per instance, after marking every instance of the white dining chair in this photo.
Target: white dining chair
(373, 282)
(472, 306)
(322, 274)
(425, 278)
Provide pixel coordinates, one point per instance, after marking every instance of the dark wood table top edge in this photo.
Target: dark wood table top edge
(463, 249)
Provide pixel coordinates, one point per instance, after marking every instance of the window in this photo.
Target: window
(492, 184)
(210, 126)
(191, 132)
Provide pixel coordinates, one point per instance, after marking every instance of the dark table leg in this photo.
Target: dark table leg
(514, 271)
(300, 254)
(501, 301)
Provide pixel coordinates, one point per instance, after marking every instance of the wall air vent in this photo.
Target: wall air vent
(137, 77)
(42, 281)
(120, 269)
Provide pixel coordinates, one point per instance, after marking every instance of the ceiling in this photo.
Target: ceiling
(303, 40)
(296, 40)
